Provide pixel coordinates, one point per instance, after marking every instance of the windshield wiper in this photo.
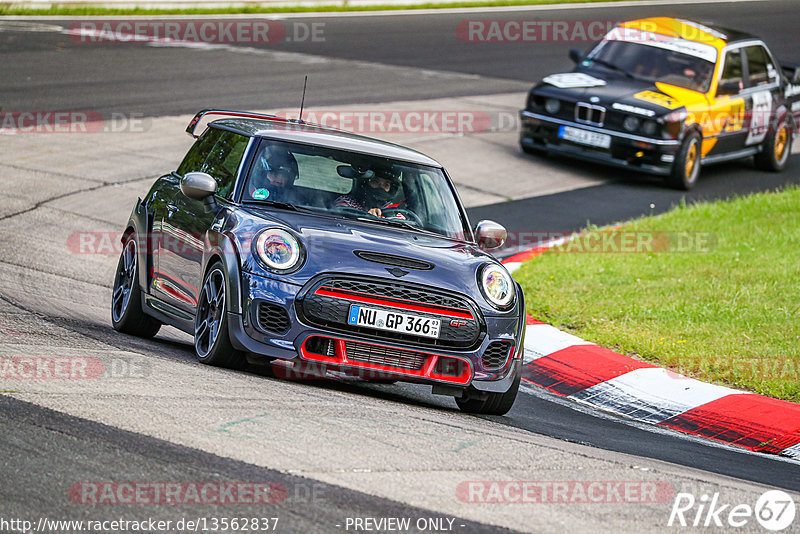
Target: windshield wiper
(612, 66)
(281, 205)
(398, 223)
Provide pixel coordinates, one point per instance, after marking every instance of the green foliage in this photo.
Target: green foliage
(711, 291)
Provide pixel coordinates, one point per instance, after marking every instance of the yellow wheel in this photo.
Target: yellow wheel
(776, 148)
(686, 167)
(691, 161)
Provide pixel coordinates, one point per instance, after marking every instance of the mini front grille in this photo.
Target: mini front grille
(396, 292)
(327, 303)
(402, 359)
(273, 318)
(495, 355)
(589, 114)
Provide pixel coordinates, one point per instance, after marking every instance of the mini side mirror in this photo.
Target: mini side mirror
(490, 234)
(575, 55)
(200, 186)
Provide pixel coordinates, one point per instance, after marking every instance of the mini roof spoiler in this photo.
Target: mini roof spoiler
(242, 114)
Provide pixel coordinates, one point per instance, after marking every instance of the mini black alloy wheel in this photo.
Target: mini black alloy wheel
(210, 309)
(123, 283)
(127, 314)
(211, 340)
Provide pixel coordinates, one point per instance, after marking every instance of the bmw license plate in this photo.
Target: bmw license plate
(396, 322)
(584, 137)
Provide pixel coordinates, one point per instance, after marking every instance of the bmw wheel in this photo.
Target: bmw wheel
(211, 340)
(776, 148)
(686, 167)
(127, 315)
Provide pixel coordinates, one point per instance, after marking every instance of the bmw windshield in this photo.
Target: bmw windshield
(356, 186)
(657, 61)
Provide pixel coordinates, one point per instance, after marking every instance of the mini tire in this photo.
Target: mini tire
(127, 315)
(212, 342)
(493, 404)
(686, 167)
(776, 148)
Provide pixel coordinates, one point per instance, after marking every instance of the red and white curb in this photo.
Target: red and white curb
(592, 375)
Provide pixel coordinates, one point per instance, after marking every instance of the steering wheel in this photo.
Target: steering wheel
(407, 215)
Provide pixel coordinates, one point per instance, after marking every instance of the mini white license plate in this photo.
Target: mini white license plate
(584, 137)
(394, 321)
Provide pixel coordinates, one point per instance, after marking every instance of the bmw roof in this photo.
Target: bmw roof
(689, 30)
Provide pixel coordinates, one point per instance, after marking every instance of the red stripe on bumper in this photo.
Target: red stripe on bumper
(427, 371)
(393, 304)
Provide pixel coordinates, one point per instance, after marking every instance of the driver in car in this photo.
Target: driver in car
(273, 177)
(373, 194)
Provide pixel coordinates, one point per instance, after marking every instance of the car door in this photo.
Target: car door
(762, 82)
(219, 153)
(724, 131)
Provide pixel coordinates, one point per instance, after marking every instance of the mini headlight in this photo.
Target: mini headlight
(631, 123)
(278, 249)
(552, 105)
(497, 285)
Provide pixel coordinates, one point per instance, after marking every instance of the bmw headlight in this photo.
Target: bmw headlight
(631, 123)
(552, 105)
(497, 285)
(650, 127)
(278, 249)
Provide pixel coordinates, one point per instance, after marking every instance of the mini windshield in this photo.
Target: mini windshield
(353, 185)
(653, 63)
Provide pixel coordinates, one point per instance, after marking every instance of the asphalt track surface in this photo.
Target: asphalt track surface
(46, 70)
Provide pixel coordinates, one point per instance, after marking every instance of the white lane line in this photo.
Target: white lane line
(544, 339)
(651, 394)
(273, 55)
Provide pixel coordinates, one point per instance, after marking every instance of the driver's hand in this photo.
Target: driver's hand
(376, 212)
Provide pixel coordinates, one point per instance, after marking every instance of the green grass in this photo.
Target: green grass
(727, 311)
(65, 10)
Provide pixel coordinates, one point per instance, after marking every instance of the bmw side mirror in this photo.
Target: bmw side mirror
(730, 87)
(490, 234)
(200, 186)
(575, 55)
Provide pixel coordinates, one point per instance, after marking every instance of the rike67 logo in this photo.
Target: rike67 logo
(774, 511)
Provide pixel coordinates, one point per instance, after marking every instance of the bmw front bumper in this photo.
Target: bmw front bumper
(628, 151)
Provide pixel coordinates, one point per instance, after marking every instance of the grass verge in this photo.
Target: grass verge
(59, 10)
(711, 291)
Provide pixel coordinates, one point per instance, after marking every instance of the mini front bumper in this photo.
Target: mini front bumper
(654, 156)
(437, 366)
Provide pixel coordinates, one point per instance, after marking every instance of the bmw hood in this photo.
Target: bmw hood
(620, 93)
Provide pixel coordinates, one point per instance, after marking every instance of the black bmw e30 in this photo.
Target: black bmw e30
(308, 246)
(665, 96)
